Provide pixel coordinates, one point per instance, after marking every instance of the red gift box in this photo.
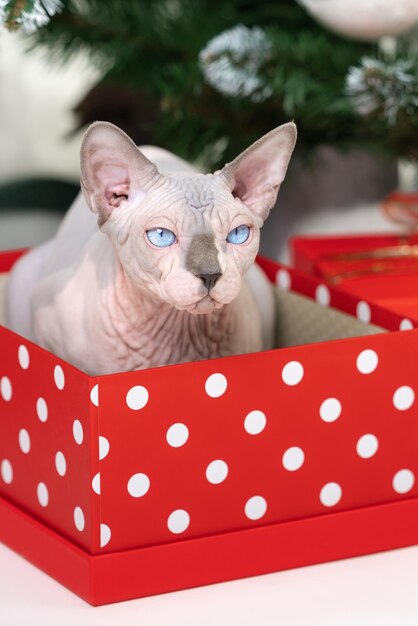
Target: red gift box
(132, 484)
(383, 269)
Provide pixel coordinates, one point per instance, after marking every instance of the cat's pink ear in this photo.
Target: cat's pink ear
(113, 170)
(256, 174)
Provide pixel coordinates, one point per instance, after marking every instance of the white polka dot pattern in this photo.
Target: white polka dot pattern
(60, 463)
(292, 373)
(59, 377)
(216, 472)
(406, 324)
(137, 397)
(95, 483)
(367, 361)
(94, 395)
(178, 521)
(78, 432)
(43, 494)
(6, 390)
(216, 385)
(293, 459)
(403, 481)
(6, 471)
(330, 410)
(138, 485)
(42, 409)
(79, 519)
(255, 422)
(323, 295)
(255, 507)
(367, 446)
(105, 535)
(331, 494)
(363, 312)
(24, 441)
(177, 435)
(23, 357)
(403, 398)
(104, 447)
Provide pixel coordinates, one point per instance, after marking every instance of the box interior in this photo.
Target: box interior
(300, 320)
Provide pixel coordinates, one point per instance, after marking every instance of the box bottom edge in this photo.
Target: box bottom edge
(117, 576)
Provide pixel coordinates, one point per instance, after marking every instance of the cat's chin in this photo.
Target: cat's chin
(202, 307)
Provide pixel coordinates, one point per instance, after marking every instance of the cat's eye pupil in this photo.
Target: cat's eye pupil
(161, 237)
(239, 234)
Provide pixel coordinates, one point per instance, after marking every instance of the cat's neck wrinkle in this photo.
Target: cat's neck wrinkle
(150, 332)
(204, 334)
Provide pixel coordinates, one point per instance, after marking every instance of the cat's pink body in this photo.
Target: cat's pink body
(107, 300)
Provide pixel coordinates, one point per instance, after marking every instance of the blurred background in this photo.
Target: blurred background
(204, 79)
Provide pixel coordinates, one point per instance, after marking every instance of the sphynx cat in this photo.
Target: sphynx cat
(166, 274)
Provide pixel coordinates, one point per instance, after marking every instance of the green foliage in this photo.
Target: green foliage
(27, 15)
(385, 91)
(153, 46)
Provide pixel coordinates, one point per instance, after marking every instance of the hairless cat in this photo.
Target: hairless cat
(166, 273)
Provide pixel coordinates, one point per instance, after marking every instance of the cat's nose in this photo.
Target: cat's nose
(209, 280)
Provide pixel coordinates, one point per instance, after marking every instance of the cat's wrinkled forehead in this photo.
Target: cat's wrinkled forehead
(201, 192)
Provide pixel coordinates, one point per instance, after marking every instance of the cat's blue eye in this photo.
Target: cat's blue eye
(161, 237)
(239, 235)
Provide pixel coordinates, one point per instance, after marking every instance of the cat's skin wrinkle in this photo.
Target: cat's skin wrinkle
(144, 339)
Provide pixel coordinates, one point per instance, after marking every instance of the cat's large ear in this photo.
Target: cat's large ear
(113, 170)
(256, 174)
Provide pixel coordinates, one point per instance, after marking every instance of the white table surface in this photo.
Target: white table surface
(377, 590)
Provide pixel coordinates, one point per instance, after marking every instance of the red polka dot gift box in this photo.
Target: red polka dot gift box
(132, 484)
